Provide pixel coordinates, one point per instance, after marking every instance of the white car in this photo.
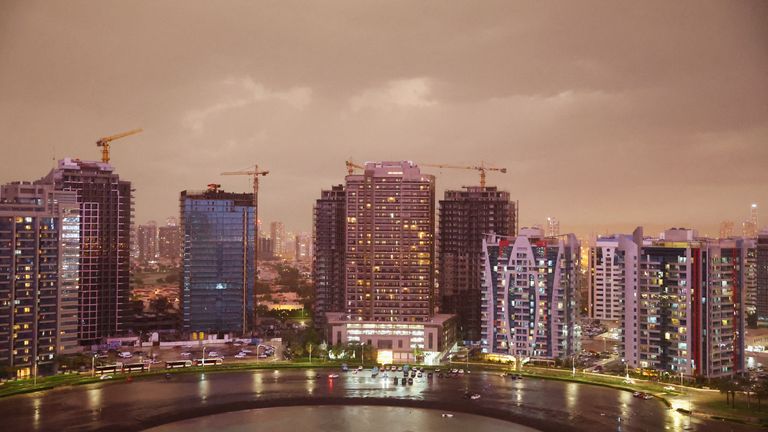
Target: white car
(247, 351)
(333, 376)
(125, 354)
(213, 354)
(240, 355)
(669, 388)
(186, 354)
(105, 377)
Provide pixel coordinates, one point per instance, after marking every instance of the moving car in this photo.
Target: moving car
(333, 375)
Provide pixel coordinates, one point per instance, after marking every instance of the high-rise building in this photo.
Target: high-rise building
(761, 295)
(390, 269)
(169, 243)
(277, 230)
(302, 245)
(529, 295)
(266, 248)
(726, 229)
(218, 267)
(147, 239)
(751, 226)
(329, 217)
(553, 227)
(39, 260)
(466, 216)
(106, 214)
(683, 303)
(606, 279)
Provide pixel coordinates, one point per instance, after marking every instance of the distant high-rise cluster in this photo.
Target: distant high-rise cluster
(751, 226)
(553, 227)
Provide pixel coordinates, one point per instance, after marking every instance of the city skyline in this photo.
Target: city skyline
(613, 113)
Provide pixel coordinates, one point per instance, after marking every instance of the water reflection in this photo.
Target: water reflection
(571, 398)
(36, 415)
(202, 388)
(257, 382)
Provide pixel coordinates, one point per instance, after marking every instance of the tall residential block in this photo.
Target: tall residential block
(169, 241)
(279, 240)
(147, 240)
(106, 214)
(529, 296)
(761, 295)
(328, 261)
(390, 264)
(606, 276)
(684, 303)
(39, 262)
(217, 266)
(466, 216)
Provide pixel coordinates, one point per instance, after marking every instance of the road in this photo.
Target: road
(543, 404)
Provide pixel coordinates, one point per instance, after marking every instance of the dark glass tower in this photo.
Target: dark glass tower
(329, 219)
(465, 217)
(106, 213)
(218, 264)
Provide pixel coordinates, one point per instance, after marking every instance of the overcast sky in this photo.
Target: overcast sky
(607, 114)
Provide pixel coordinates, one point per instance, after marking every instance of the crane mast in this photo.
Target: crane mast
(255, 173)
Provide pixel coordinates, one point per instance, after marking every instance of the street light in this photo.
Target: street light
(204, 356)
(93, 366)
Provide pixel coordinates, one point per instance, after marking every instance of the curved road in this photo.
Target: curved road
(542, 404)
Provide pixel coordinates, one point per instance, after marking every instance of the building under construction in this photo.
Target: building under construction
(466, 216)
(106, 214)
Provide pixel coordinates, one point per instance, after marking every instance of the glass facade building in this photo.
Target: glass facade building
(218, 264)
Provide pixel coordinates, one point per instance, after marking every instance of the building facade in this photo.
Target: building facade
(529, 296)
(684, 304)
(147, 240)
(39, 263)
(169, 241)
(389, 264)
(106, 214)
(465, 217)
(607, 274)
(390, 249)
(277, 230)
(328, 261)
(761, 292)
(218, 265)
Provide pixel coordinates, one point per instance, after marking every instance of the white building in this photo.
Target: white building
(529, 295)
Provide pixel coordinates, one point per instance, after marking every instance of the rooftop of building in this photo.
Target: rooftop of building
(340, 318)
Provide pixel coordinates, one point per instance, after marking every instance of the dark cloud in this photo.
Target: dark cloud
(638, 112)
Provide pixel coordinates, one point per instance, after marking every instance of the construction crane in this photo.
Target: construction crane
(104, 142)
(482, 168)
(255, 173)
(351, 166)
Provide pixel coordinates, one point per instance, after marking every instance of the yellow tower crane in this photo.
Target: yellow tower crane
(104, 142)
(351, 166)
(482, 168)
(255, 173)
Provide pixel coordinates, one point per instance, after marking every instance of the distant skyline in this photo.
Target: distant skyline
(608, 115)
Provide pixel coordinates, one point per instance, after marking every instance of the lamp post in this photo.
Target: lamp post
(93, 365)
(204, 356)
(573, 364)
